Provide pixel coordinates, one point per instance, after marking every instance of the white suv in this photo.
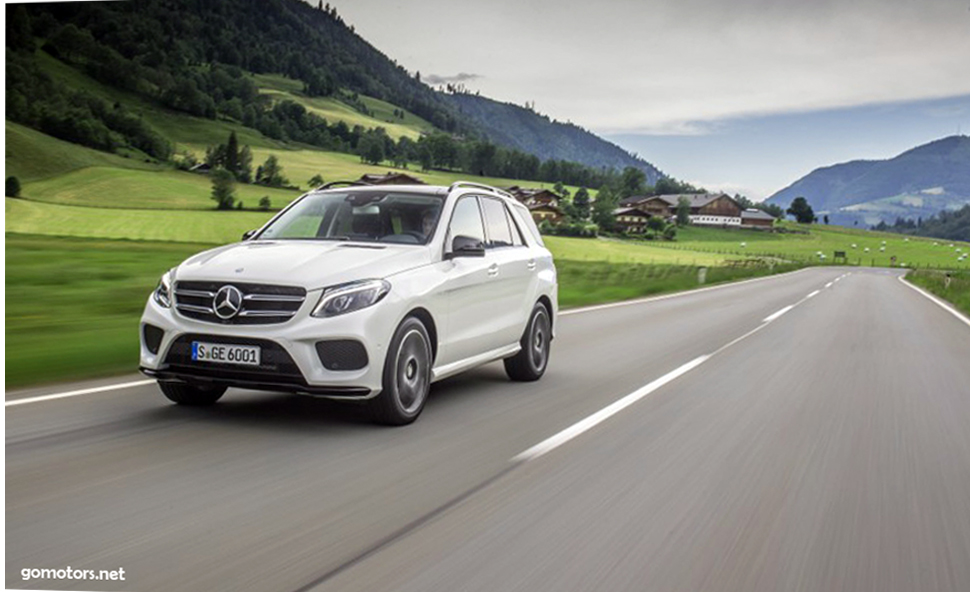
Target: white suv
(358, 293)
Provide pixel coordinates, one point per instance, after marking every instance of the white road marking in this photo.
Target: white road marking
(774, 316)
(584, 425)
(942, 303)
(675, 294)
(829, 285)
(603, 414)
(87, 391)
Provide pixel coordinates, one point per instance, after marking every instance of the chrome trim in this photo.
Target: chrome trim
(194, 308)
(267, 313)
(195, 293)
(273, 298)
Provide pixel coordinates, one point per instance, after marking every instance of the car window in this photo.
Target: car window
(497, 222)
(517, 239)
(526, 218)
(373, 216)
(466, 220)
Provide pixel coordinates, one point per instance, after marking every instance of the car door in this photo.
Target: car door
(470, 304)
(511, 272)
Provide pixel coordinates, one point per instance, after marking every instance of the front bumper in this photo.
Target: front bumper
(293, 364)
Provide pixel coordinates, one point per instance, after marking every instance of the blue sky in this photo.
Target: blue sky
(759, 155)
(750, 94)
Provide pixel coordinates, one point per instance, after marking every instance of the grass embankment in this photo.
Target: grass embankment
(73, 305)
(958, 292)
(804, 246)
(595, 282)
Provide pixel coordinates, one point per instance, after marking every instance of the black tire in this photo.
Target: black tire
(191, 396)
(407, 375)
(531, 361)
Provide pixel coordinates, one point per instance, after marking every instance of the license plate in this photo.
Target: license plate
(223, 353)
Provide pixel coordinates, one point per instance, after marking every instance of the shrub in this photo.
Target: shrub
(12, 187)
(264, 203)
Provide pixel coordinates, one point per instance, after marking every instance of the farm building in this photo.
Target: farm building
(755, 218)
(391, 178)
(543, 203)
(632, 220)
(706, 209)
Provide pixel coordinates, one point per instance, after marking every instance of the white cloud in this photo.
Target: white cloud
(667, 67)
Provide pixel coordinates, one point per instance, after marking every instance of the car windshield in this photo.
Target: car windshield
(371, 216)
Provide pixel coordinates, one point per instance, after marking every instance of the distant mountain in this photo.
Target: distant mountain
(918, 183)
(517, 127)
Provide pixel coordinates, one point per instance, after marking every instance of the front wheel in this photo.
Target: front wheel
(407, 375)
(192, 396)
(531, 361)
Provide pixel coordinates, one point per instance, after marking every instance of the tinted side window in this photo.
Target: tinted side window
(526, 217)
(517, 238)
(499, 233)
(467, 220)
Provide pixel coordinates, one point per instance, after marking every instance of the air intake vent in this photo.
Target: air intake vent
(153, 337)
(342, 354)
(249, 304)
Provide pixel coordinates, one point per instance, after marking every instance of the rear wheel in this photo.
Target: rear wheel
(407, 375)
(193, 396)
(531, 361)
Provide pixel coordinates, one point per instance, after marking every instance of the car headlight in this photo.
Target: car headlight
(163, 292)
(338, 300)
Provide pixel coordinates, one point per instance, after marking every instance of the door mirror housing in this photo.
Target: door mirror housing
(248, 235)
(465, 246)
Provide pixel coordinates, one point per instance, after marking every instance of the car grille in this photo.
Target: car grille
(262, 304)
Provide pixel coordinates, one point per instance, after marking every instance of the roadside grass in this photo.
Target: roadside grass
(109, 187)
(912, 251)
(584, 283)
(209, 227)
(72, 305)
(958, 293)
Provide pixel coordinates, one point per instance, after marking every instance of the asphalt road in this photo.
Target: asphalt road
(827, 449)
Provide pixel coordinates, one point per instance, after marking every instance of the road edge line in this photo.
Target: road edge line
(595, 307)
(939, 301)
(77, 393)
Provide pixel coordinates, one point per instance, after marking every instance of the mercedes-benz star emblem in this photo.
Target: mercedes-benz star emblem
(227, 302)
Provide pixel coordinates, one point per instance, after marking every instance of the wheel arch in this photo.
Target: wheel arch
(546, 302)
(427, 320)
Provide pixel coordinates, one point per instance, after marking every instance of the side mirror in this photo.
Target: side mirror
(466, 246)
(249, 234)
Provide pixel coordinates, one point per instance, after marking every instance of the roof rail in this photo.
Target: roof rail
(458, 184)
(337, 183)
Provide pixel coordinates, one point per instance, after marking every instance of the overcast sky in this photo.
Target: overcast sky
(681, 81)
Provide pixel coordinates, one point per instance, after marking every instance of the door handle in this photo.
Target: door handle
(531, 264)
(493, 270)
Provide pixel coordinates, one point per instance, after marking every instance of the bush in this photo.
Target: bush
(223, 188)
(578, 229)
(12, 187)
(264, 203)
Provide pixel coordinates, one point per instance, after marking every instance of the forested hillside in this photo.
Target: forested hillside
(199, 57)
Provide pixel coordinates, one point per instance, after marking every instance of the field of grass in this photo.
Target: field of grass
(73, 305)
(958, 293)
(210, 227)
(615, 251)
(110, 187)
(913, 251)
(31, 155)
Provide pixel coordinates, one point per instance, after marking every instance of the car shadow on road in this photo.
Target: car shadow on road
(299, 413)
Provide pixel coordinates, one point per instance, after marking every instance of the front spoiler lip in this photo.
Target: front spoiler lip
(337, 392)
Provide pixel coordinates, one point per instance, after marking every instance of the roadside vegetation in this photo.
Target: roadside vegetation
(956, 291)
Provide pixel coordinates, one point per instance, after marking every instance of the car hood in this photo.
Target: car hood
(309, 264)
